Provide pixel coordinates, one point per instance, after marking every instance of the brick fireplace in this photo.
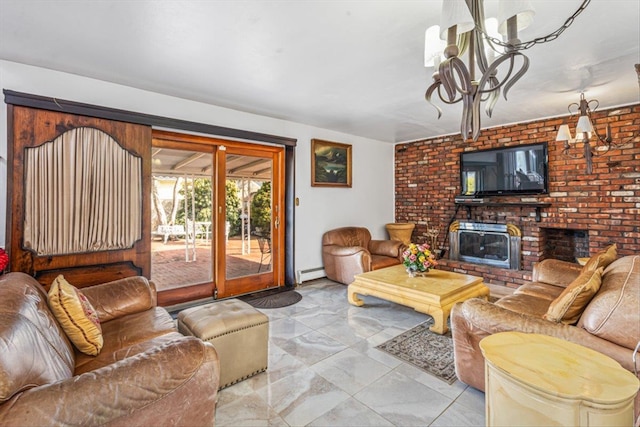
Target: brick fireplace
(581, 214)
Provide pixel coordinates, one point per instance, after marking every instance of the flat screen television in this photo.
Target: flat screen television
(505, 171)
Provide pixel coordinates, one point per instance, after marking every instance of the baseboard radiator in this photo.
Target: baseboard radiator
(309, 274)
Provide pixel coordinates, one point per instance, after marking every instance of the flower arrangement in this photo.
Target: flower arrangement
(4, 260)
(418, 258)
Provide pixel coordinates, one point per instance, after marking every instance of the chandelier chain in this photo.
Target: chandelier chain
(538, 40)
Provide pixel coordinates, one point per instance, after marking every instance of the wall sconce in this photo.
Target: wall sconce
(584, 133)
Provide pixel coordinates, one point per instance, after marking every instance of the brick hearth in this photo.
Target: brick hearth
(587, 210)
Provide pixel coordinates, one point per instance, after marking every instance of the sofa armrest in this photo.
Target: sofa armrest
(172, 384)
(475, 319)
(343, 251)
(342, 263)
(556, 272)
(121, 297)
(390, 248)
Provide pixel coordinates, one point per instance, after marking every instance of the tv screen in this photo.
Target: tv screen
(505, 171)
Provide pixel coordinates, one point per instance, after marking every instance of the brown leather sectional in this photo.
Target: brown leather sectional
(610, 323)
(146, 373)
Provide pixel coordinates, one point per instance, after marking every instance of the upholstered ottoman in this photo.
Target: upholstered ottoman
(239, 332)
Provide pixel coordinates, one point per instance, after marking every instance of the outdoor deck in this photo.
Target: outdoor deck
(170, 268)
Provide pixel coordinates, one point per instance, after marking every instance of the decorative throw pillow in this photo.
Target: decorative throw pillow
(570, 304)
(601, 258)
(76, 316)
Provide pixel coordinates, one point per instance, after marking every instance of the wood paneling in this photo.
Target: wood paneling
(31, 127)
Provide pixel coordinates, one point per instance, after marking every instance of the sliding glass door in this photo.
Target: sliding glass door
(216, 217)
(253, 225)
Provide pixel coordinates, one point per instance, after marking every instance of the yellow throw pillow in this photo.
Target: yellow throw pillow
(76, 316)
(570, 304)
(601, 258)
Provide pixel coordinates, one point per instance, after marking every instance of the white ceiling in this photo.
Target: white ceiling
(350, 66)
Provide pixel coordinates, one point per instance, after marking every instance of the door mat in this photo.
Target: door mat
(426, 350)
(272, 299)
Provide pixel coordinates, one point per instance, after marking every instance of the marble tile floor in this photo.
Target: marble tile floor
(324, 370)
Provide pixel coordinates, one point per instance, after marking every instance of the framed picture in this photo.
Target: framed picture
(330, 164)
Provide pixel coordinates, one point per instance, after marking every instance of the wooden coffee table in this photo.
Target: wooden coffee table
(433, 294)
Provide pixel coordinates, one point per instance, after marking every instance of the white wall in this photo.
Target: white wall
(370, 202)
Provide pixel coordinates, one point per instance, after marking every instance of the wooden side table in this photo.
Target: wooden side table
(536, 380)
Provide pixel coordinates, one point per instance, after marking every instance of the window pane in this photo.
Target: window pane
(181, 228)
(249, 201)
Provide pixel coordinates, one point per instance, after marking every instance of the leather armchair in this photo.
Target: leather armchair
(348, 251)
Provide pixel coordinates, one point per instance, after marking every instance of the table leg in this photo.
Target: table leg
(353, 298)
(439, 319)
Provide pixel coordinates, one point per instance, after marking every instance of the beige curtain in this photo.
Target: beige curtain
(83, 193)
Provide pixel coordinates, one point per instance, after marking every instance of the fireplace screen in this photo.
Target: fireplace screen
(490, 246)
(482, 243)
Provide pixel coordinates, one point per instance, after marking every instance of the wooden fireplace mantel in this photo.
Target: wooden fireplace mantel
(535, 205)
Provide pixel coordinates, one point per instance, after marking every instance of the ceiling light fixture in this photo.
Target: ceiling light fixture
(464, 28)
(584, 132)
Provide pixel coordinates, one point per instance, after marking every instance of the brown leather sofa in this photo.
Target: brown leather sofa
(146, 373)
(609, 324)
(348, 251)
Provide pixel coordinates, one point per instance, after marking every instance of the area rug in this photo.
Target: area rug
(272, 299)
(426, 350)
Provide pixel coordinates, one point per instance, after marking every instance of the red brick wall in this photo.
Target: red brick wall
(605, 204)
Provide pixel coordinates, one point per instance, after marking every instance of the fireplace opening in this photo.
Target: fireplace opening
(494, 246)
(565, 244)
(497, 245)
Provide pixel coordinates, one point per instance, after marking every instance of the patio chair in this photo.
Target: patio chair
(264, 243)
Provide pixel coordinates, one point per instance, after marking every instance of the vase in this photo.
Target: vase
(400, 231)
(416, 273)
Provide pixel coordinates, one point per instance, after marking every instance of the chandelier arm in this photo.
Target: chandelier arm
(518, 75)
(475, 108)
(487, 94)
(597, 104)
(468, 124)
(455, 101)
(475, 111)
(601, 141)
(447, 79)
(491, 71)
(466, 86)
(493, 99)
(437, 86)
(539, 40)
(508, 81)
(428, 94)
(608, 144)
(450, 83)
(572, 113)
(566, 152)
(481, 57)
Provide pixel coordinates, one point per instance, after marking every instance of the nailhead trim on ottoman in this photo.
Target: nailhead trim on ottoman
(239, 332)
